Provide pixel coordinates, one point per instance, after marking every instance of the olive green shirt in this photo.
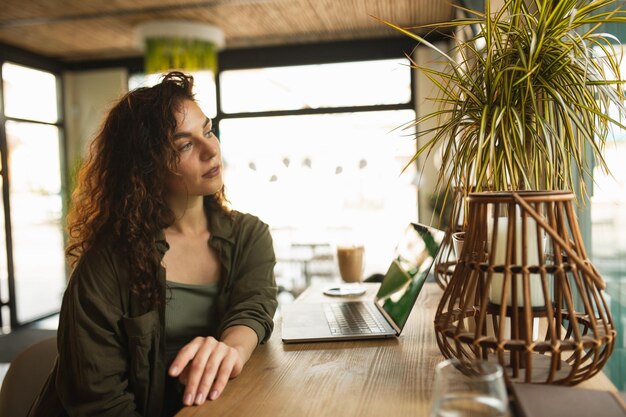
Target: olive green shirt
(189, 312)
(112, 351)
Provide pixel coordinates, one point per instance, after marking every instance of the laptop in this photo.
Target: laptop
(382, 317)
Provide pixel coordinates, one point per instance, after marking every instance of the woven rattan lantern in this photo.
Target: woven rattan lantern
(524, 293)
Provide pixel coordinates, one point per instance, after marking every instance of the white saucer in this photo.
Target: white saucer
(345, 291)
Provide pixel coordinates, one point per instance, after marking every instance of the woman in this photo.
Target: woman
(171, 290)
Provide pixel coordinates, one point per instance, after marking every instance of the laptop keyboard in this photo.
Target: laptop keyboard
(352, 318)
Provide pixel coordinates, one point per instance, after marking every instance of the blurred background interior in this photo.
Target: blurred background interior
(313, 102)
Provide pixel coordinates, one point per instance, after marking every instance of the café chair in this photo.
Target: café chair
(25, 377)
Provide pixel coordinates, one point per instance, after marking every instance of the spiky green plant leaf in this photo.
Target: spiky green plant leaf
(522, 111)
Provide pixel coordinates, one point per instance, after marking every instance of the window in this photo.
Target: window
(608, 252)
(324, 177)
(29, 93)
(319, 156)
(34, 265)
(316, 86)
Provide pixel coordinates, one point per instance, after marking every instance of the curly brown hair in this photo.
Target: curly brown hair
(120, 196)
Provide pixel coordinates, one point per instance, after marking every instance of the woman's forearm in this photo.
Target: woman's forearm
(242, 338)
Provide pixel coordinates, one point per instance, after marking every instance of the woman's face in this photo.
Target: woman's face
(199, 171)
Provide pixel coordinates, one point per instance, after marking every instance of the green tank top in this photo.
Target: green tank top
(189, 313)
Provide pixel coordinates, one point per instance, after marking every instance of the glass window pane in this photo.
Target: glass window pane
(608, 222)
(323, 179)
(205, 90)
(316, 86)
(29, 93)
(36, 211)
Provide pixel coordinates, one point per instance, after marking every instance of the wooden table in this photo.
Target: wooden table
(388, 377)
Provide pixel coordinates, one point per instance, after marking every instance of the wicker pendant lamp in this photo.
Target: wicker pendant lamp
(524, 293)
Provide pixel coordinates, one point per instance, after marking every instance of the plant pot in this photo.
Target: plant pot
(457, 243)
(498, 295)
(447, 257)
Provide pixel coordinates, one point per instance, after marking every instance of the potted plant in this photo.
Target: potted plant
(523, 106)
(524, 99)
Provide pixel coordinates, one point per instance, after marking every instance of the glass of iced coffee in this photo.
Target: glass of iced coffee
(351, 261)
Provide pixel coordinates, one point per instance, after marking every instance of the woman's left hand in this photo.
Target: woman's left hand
(204, 366)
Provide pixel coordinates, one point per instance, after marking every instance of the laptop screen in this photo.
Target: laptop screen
(407, 273)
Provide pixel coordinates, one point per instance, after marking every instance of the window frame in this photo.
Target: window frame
(314, 54)
(13, 55)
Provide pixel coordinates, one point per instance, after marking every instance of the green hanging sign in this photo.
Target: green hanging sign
(165, 54)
